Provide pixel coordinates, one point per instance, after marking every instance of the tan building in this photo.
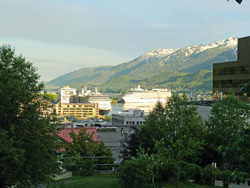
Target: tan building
(231, 76)
(80, 110)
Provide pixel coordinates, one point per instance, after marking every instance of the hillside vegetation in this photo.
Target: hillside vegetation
(168, 79)
(171, 68)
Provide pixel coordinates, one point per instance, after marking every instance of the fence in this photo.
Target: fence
(90, 164)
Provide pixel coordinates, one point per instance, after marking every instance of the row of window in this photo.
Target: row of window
(86, 106)
(231, 70)
(128, 122)
(133, 123)
(74, 109)
(228, 83)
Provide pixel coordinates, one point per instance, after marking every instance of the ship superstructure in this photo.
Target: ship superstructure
(103, 101)
(139, 95)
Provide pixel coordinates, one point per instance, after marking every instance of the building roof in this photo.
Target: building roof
(64, 133)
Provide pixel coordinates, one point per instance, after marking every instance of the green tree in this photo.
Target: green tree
(103, 151)
(131, 145)
(246, 89)
(155, 128)
(83, 145)
(179, 125)
(27, 135)
(49, 96)
(141, 171)
(241, 167)
(181, 129)
(228, 117)
(186, 129)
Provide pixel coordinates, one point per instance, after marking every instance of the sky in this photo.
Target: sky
(61, 36)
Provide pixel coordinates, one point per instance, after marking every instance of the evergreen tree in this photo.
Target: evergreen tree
(132, 145)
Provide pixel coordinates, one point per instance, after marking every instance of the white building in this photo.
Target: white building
(84, 92)
(66, 93)
(129, 117)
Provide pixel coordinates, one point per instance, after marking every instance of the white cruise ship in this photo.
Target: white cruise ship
(139, 95)
(103, 100)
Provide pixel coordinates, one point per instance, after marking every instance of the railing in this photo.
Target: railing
(98, 162)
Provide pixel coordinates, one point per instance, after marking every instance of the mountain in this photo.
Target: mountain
(167, 79)
(149, 66)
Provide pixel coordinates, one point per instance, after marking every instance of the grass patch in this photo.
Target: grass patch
(111, 181)
(182, 185)
(97, 181)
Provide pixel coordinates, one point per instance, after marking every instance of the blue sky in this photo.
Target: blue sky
(60, 36)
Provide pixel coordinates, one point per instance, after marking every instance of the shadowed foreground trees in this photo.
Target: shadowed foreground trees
(27, 135)
(176, 143)
(171, 144)
(228, 117)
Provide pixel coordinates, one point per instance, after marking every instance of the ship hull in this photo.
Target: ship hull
(147, 97)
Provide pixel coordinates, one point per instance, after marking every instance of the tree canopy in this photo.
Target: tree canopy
(179, 131)
(27, 134)
(229, 118)
(83, 145)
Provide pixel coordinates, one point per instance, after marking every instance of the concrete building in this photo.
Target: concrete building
(129, 117)
(66, 93)
(78, 110)
(231, 76)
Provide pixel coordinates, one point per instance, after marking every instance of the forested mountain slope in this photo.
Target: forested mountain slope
(148, 67)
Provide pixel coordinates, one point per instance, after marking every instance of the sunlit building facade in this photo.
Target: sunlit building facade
(229, 77)
(79, 110)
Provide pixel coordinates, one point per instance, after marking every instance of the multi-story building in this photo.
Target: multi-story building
(129, 117)
(66, 93)
(80, 110)
(231, 76)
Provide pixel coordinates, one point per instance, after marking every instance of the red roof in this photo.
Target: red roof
(64, 133)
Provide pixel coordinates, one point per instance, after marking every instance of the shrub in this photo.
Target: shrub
(226, 177)
(87, 168)
(207, 175)
(189, 170)
(134, 174)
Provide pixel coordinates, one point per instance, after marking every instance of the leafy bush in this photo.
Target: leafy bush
(207, 175)
(87, 168)
(134, 174)
(79, 166)
(226, 177)
(189, 170)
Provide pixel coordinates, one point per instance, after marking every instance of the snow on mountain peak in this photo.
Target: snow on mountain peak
(231, 42)
(160, 52)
